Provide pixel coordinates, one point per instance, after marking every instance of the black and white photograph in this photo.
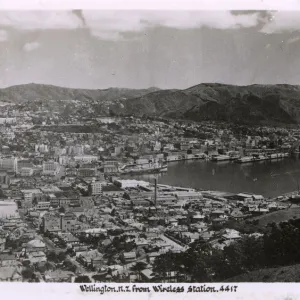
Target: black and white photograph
(150, 146)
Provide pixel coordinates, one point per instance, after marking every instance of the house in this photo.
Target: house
(35, 246)
(37, 257)
(58, 276)
(231, 234)
(153, 255)
(91, 258)
(217, 214)
(147, 275)
(237, 215)
(8, 260)
(129, 257)
(197, 218)
(11, 274)
(69, 238)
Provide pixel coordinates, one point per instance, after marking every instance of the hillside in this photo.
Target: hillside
(242, 104)
(278, 216)
(280, 274)
(253, 104)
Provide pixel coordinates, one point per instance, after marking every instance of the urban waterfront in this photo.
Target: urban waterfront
(268, 178)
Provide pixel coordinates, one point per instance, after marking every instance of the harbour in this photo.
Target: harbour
(270, 178)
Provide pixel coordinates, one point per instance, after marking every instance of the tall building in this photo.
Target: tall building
(96, 187)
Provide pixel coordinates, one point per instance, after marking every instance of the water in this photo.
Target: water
(267, 178)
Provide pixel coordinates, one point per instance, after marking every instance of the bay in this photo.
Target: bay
(267, 178)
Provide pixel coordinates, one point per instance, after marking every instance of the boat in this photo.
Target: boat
(144, 168)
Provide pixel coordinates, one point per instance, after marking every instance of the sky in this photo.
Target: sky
(98, 49)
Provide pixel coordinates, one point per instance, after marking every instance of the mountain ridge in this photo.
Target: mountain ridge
(250, 104)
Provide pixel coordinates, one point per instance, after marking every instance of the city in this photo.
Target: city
(70, 214)
(149, 148)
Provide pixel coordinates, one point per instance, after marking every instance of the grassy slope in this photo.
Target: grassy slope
(280, 274)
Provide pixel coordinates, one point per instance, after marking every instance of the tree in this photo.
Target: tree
(61, 256)
(34, 201)
(62, 210)
(52, 256)
(28, 273)
(82, 279)
(163, 266)
(19, 203)
(138, 268)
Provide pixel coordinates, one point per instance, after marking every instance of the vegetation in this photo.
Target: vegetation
(82, 279)
(138, 268)
(279, 246)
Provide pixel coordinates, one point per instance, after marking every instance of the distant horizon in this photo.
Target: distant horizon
(147, 88)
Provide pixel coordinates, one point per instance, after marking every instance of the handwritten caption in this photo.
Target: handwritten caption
(102, 289)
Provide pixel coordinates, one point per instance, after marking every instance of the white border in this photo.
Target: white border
(151, 4)
(72, 291)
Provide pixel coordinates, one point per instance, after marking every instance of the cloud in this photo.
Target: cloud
(293, 40)
(27, 20)
(282, 21)
(3, 35)
(106, 22)
(31, 46)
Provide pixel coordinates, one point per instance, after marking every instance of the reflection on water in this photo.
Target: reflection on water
(269, 178)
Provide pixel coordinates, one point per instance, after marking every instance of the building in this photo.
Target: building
(131, 183)
(87, 172)
(8, 164)
(86, 158)
(30, 196)
(8, 121)
(4, 179)
(11, 274)
(96, 187)
(129, 257)
(68, 222)
(8, 260)
(23, 163)
(112, 190)
(51, 168)
(35, 246)
(43, 205)
(59, 276)
(26, 172)
(8, 209)
(110, 166)
(2, 244)
(50, 222)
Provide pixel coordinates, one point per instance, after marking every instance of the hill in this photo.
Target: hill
(34, 92)
(280, 274)
(254, 104)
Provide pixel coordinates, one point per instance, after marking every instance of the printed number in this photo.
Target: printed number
(228, 288)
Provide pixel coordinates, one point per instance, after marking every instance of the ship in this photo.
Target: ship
(231, 155)
(261, 157)
(144, 168)
(223, 157)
